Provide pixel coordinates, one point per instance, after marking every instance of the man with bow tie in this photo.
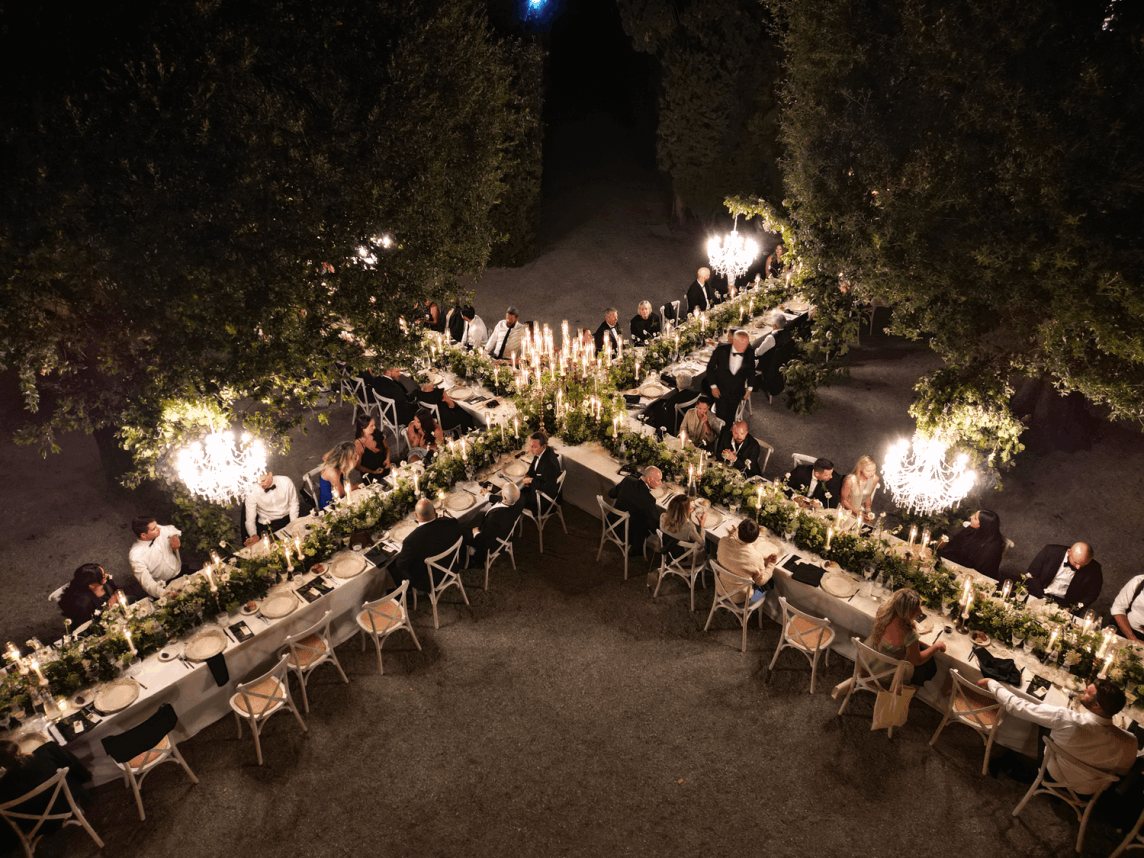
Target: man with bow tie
(1067, 576)
(700, 296)
(270, 506)
(505, 339)
(609, 330)
(730, 373)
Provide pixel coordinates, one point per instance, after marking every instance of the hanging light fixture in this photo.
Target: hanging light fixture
(220, 470)
(732, 254)
(921, 478)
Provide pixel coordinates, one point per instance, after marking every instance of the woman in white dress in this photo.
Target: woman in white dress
(859, 486)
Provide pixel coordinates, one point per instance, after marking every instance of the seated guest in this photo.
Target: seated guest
(677, 523)
(661, 413)
(634, 496)
(1067, 576)
(610, 331)
(738, 449)
(473, 333)
(504, 340)
(270, 506)
(432, 536)
(817, 485)
(90, 590)
(731, 375)
(744, 554)
(372, 449)
(1087, 734)
(778, 335)
(497, 524)
(455, 323)
(978, 546)
(391, 386)
(337, 465)
(896, 634)
(423, 436)
(858, 488)
(700, 295)
(543, 473)
(452, 415)
(1128, 609)
(646, 324)
(586, 338)
(24, 772)
(701, 427)
(774, 264)
(154, 557)
(434, 321)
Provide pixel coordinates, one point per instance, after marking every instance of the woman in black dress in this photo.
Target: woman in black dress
(372, 449)
(452, 415)
(90, 590)
(978, 546)
(24, 772)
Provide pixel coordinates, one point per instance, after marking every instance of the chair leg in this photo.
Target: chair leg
(436, 622)
(183, 763)
(138, 799)
(746, 619)
(775, 657)
(294, 709)
(414, 635)
(1084, 823)
(512, 557)
(941, 726)
(305, 696)
(1131, 836)
(257, 743)
(377, 646)
(560, 512)
(814, 670)
(712, 613)
(461, 585)
(338, 665)
(238, 722)
(487, 572)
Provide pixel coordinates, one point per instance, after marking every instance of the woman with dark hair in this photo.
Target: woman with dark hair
(24, 772)
(90, 590)
(452, 415)
(979, 545)
(424, 436)
(372, 449)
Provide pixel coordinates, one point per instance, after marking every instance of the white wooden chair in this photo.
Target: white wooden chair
(308, 650)
(976, 708)
(766, 456)
(260, 698)
(674, 316)
(55, 785)
(386, 410)
(382, 617)
(728, 586)
(310, 483)
(613, 528)
(145, 747)
(804, 633)
(797, 459)
(503, 546)
(874, 671)
(685, 563)
(363, 397)
(345, 383)
(540, 515)
(444, 575)
(681, 409)
(1133, 840)
(56, 594)
(1076, 783)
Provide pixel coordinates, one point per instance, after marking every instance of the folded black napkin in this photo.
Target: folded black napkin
(1002, 669)
(241, 631)
(493, 404)
(668, 379)
(632, 398)
(217, 664)
(806, 573)
(76, 724)
(380, 556)
(1038, 686)
(478, 398)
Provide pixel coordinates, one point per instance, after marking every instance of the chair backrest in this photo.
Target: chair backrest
(766, 456)
(303, 653)
(876, 671)
(386, 409)
(251, 694)
(681, 409)
(728, 584)
(975, 711)
(541, 496)
(1078, 781)
(446, 568)
(435, 409)
(614, 521)
(683, 556)
(400, 595)
(802, 635)
(55, 595)
(310, 483)
(669, 311)
(397, 442)
(56, 784)
(797, 459)
(362, 393)
(142, 737)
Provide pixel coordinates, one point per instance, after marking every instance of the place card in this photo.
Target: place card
(241, 631)
(1039, 687)
(73, 725)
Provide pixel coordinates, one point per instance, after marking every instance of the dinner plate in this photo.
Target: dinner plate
(925, 626)
(279, 605)
(347, 565)
(714, 519)
(28, 742)
(703, 503)
(661, 492)
(652, 391)
(299, 526)
(401, 530)
(116, 695)
(206, 644)
(169, 653)
(435, 378)
(516, 469)
(459, 501)
(979, 638)
(838, 585)
(461, 394)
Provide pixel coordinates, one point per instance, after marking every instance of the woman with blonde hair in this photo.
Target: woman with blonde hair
(336, 467)
(859, 486)
(896, 634)
(677, 523)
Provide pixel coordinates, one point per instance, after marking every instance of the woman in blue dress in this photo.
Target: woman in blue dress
(336, 467)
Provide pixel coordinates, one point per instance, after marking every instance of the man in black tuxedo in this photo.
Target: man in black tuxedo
(774, 352)
(610, 330)
(1067, 576)
(498, 522)
(432, 536)
(389, 386)
(699, 294)
(634, 496)
(817, 482)
(739, 449)
(543, 473)
(730, 375)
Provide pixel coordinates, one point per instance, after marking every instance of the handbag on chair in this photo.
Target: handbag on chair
(891, 710)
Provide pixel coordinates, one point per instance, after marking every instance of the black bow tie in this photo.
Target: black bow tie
(272, 487)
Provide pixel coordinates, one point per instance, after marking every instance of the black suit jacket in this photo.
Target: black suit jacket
(633, 496)
(42, 765)
(661, 413)
(644, 329)
(719, 372)
(603, 331)
(427, 540)
(699, 296)
(749, 458)
(545, 472)
(497, 523)
(390, 389)
(800, 479)
(1084, 589)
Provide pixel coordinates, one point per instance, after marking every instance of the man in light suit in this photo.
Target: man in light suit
(1067, 576)
(432, 536)
(730, 375)
(699, 294)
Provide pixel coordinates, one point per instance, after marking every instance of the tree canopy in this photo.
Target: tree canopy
(195, 214)
(978, 166)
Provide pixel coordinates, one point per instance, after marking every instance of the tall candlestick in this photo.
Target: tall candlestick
(416, 487)
(829, 536)
(1107, 664)
(1053, 640)
(130, 643)
(1006, 589)
(35, 665)
(913, 535)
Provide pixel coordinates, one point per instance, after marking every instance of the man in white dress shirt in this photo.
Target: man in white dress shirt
(475, 333)
(1089, 734)
(1128, 609)
(505, 339)
(155, 557)
(270, 506)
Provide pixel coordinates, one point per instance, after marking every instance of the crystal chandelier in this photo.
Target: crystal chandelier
(732, 254)
(922, 480)
(220, 470)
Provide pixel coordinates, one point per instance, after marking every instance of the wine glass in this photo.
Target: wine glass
(18, 712)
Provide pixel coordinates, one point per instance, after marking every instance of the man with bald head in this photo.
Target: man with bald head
(635, 496)
(730, 374)
(700, 296)
(1067, 576)
(432, 536)
(737, 448)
